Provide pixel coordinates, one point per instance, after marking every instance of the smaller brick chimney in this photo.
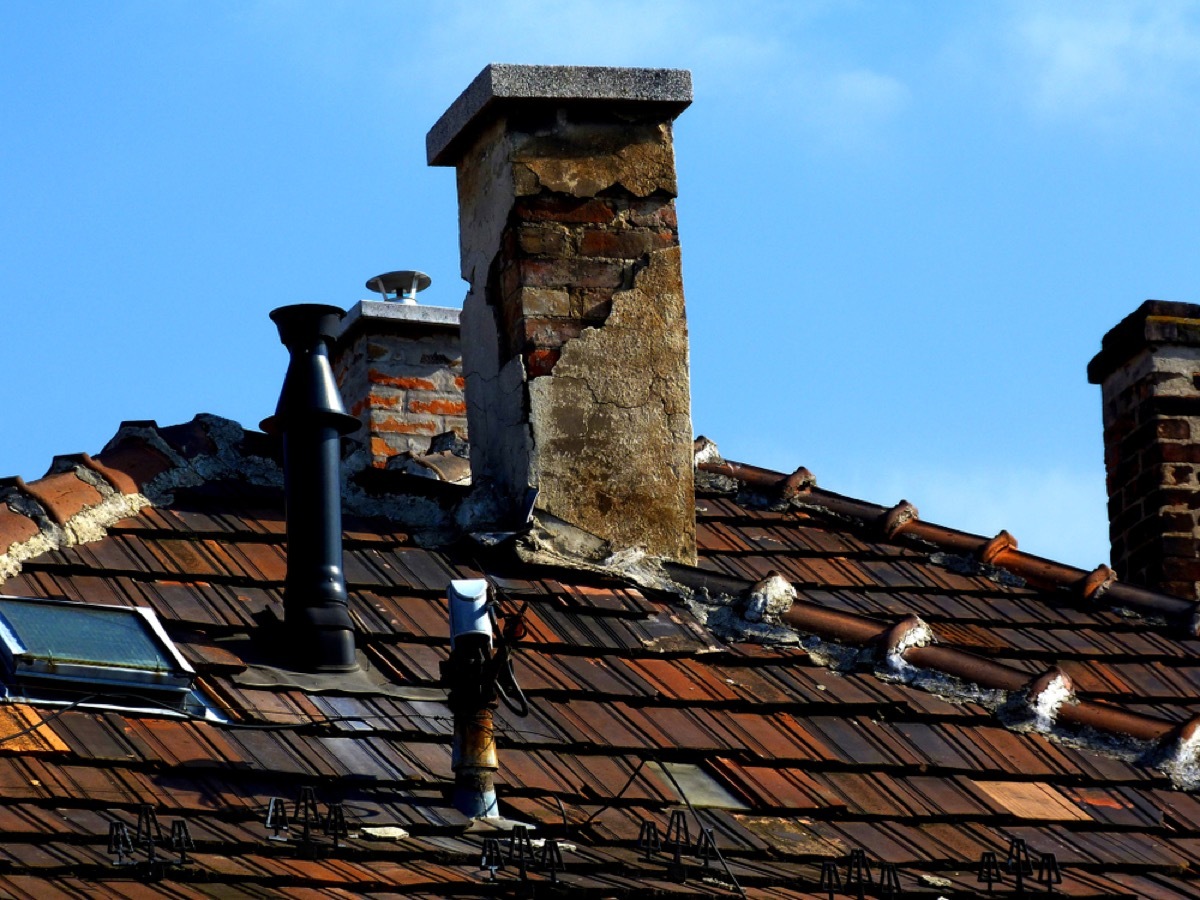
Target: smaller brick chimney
(1149, 370)
(399, 367)
(574, 333)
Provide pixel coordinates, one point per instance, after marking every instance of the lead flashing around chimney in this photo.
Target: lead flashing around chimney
(499, 87)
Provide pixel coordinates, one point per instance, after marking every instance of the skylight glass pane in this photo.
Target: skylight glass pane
(88, 635)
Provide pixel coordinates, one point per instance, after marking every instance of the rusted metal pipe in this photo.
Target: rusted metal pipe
(470, 673)
(968, 667)
(1115, 721)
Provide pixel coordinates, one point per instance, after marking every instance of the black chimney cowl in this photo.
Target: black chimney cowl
(312, 420)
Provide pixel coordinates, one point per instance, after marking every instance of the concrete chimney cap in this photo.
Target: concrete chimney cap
(501, 84)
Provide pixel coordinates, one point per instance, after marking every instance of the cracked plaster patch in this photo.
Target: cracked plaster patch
(620, 393)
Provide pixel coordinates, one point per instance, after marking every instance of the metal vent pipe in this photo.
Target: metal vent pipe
(471, 675)
(312, 420)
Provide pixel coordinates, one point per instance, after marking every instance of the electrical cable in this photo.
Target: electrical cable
(47, 719)
(700, 825)
(617, 796)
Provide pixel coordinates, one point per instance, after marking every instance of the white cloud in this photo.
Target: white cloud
(847, 109)
(1108, 63)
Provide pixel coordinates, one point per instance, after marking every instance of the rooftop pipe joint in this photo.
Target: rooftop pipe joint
(471, 675)
(312, 420)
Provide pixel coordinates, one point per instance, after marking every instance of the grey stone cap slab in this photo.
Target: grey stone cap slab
(1153, 324)
(390, 314)
(500, 84)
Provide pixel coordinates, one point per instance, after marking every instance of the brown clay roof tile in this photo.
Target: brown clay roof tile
(926, 767)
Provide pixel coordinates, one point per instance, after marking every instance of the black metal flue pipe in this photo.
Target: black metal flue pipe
(312, 420)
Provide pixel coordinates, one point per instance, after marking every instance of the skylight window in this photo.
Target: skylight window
(56, 650)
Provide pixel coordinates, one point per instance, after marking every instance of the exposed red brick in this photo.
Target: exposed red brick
(376, 400)
(578, 272)
(540, 362)
(438, 407)
(404, 382)
(624, 244)
(1188, 453)
(381, 450)
(571, 210)
(544, 240)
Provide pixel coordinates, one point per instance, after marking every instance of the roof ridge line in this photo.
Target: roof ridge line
(907, 651)
(52, 529)
(999, 551)
(81, 497)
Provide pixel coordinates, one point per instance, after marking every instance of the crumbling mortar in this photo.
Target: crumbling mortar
(228, 461)
(1177, 759)
(49, 537)
(89, 524)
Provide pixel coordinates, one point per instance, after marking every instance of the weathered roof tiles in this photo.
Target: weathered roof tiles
(851, 736)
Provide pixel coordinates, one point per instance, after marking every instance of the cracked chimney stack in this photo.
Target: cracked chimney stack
(574, 336)
(1149, 370)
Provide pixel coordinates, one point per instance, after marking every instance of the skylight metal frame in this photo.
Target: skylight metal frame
(25, 669)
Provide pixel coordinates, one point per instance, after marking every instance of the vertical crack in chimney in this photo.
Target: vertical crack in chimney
(312, 420)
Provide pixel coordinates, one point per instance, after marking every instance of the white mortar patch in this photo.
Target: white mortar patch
(920, 635)
(1046, 705)
(769, 600)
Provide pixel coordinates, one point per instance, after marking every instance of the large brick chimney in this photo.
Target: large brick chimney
(574, 336)
(1149, 370)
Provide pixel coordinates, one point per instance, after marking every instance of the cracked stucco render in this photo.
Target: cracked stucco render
(612, 426)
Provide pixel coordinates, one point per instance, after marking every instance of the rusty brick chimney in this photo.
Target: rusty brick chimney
(1149, 370)
(399, 367)
(574, 334)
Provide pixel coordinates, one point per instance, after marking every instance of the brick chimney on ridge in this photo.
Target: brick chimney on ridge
(574, 335)
(399, 369)
(1149, 370)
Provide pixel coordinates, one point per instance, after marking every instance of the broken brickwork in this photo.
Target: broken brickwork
(575, 338)
(399, 369)
(1150, 371)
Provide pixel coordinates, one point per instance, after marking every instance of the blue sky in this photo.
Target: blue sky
(906, 225)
